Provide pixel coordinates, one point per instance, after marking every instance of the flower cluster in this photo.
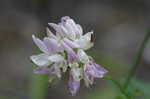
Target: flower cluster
(64, 51)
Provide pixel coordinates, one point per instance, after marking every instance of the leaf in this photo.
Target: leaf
(139, 88)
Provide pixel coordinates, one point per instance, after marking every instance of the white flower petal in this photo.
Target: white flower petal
(70, 30)
(74, 65)
(71, 43)
(65, 31)
(88, 80)
(85, 41)
(73, 25)
(73, 30)
(83, 57)
(80, 30)
(87, 36)
(41, 60)
(50, 34)
(58, 29)
(51, 44)
(73, 84)
(57, 70)
(56, 58)
(63, 65)
(65, 18)
(70, 52)
(40, 44)
(77, 73)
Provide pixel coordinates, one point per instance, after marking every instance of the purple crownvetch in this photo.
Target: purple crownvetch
(64, 51)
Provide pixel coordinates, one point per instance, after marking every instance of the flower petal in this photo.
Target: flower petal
(67, 24)
(64, 30)
(50, 34)
(88, 80)
(71, 43)
(77, 73)
(83, 57)
(56, 58)
(80, 31)
(65, 18)
(85, 41)
(51, 44)
(40, 60)
(100, 69)
(56, 70)
(73, 84)
(71, 54)
(63, 65)
(40, 44)
(57, 28)
(42, 70)
(95, 70)
(70, 24)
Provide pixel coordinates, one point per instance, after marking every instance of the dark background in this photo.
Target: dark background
(119, 25)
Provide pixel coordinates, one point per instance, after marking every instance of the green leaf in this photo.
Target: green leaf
(139, 88)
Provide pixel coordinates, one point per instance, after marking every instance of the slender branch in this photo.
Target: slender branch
(137, 61)
(118, 85)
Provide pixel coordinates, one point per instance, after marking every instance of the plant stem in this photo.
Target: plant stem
(137, 61)
(39, 86)
(118, 85)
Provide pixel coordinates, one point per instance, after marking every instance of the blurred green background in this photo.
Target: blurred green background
(119, 25)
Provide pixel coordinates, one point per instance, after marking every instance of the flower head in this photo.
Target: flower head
(64, 51)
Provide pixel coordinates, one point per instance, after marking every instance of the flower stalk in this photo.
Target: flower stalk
(132, 71)
(137, 61)
(39, 86)
(118, 85)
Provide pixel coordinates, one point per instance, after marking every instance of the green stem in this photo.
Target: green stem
(118, 85)
(137, 61)
(39, 86)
